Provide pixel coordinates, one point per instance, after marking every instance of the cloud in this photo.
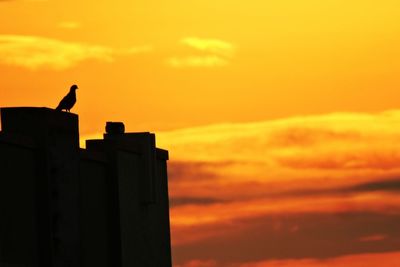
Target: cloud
(199, 263)
(35, 52)
(179, 201)
(359, 260)
(287, 236)
(392, 185)
(301, 187)
(348, 140)
(214, 53)
(204, 194)
(339, 158)
(373, 238)
(212, 46)
(327, 156)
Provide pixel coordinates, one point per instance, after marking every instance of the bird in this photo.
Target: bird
(69, 100)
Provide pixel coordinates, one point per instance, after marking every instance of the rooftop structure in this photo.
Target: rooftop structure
(63, 206)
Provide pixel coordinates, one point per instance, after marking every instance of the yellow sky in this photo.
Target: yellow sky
(172, 64)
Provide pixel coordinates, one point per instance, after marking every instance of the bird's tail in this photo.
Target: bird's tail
(58, 108)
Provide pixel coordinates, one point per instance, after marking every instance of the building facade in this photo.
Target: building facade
(63, 206)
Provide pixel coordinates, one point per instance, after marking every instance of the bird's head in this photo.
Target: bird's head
(74, 87)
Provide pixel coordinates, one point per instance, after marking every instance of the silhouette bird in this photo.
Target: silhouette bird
(69, 100)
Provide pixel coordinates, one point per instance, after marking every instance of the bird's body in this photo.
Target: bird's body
(69, 100)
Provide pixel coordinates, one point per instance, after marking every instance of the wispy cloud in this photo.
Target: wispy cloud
(268, 188)
(349, 135)
(373, 238)
(360, 260)
(199, 263)
(34, 52)
(207, 53)
(286, 236)
(212, 46)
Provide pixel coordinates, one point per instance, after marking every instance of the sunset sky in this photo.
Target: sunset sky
(282, 118)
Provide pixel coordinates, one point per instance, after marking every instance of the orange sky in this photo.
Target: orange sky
(281, 117)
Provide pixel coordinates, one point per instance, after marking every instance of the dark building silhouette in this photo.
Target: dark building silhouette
(63, 206)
